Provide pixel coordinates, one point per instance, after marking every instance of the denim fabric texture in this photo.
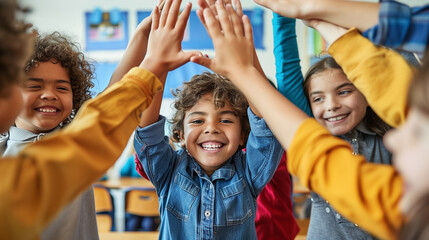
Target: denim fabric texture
(196, 206)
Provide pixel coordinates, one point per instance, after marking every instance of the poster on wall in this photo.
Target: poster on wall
(106, 30)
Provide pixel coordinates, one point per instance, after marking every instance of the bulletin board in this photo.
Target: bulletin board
(106, 30)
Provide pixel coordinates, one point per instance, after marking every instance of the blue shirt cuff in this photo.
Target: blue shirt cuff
(258, 125)
(152, 134)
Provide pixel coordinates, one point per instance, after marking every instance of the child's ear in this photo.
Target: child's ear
(182, 139)
(242, 139)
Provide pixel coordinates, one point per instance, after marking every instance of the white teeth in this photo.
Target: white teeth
(336, 118)
(47, 110)
(211, 147)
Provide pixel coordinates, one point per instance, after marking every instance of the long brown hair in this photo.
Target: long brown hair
(371, 120)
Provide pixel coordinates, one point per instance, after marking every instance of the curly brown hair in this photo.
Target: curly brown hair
(223, 91)
(58, 48)
(15, 45)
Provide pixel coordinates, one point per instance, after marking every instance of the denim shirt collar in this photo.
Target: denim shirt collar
(226, 172)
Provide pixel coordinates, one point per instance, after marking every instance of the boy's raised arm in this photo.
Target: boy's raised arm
(233, 43)
(238, 9)
(164, 46)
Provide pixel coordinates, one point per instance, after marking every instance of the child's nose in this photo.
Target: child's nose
(49, 94)
(333, 104)
(211, 128)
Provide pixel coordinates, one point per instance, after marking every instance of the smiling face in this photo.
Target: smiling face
(409, 146)
(335, 101)
(48, 98)
(211, 135)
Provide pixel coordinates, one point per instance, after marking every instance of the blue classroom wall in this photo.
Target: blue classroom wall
(196, 36)
(175, 78)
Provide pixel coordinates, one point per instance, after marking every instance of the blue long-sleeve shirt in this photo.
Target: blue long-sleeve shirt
(288, 69)
(401, 27)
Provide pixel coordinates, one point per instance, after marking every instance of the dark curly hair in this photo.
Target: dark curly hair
(58, 48)
(15, 45)
(223, 91)
(371, 120)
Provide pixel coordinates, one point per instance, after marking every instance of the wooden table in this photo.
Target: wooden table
(128, 235)
(118, 188)
(127, 182)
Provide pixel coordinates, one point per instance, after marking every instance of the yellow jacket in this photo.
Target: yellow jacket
(48, 174)
(365, 193)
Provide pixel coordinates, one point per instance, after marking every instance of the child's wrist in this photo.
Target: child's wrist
(238, 76)
(310, 9)
(153, 67)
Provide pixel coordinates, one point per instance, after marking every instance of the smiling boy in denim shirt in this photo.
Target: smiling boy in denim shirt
(208, 189)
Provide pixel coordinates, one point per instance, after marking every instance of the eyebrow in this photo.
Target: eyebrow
(339, 87)
(42, 80)
(204, 113)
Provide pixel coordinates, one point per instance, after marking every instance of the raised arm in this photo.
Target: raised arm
(288, 70)
(238, 8)
(361, 15)
(135, 52)
(401, 27)
(234, 59)
(165, 37)
(314, 155)
(381, 74)
(133, 56)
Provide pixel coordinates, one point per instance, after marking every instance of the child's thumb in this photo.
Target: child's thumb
(203, 61)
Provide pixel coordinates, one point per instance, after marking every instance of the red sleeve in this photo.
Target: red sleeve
(274, 215)
(139, 167)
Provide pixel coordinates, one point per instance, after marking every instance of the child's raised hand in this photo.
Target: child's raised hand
(164, 48)
(286, 8)
(330, 32)
(232, 39)
(211, 4)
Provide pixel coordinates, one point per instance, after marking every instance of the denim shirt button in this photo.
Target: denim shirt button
(354, 153)
(338, 216)
(327, 210)
(354, 140)
(207, 213)
(356, 225)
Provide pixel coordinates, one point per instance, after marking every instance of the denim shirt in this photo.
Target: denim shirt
(196, 206)
(325, 222)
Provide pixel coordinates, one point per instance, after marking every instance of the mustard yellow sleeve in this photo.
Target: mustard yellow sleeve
(365, 193)
(48, 174)
(381, 74)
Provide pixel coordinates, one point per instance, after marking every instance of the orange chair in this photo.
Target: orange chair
(142, 202)
(104, 208)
